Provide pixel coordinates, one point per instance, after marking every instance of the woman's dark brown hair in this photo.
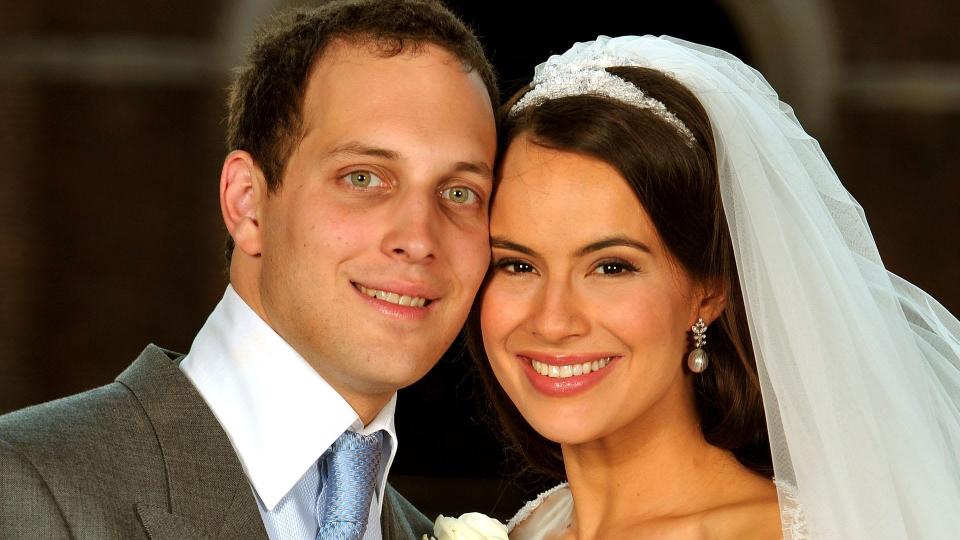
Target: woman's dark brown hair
(678, 187)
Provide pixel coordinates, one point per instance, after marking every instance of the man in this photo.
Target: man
(355, 194)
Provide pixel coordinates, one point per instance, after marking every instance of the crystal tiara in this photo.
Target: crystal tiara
(556, 80)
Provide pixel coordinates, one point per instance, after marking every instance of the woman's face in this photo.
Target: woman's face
(585, 318)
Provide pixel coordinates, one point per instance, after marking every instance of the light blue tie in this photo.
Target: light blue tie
(349, 469)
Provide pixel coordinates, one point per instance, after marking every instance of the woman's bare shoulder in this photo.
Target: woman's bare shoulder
(755, 518)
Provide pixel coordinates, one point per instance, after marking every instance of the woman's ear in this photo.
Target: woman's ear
(712, 300)
(242, 191)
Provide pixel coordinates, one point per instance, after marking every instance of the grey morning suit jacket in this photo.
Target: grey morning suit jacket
(142, 457)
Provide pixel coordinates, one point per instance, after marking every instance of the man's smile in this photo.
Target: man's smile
(399, 298)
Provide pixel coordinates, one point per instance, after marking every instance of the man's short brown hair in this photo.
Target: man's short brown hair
(266, 99)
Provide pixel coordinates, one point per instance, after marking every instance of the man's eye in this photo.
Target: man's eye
(460, 195)
(363, 179)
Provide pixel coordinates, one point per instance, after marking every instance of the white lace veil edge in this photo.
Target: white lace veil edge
(859, 369)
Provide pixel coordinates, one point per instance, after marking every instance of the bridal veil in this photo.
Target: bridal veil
(859, 369)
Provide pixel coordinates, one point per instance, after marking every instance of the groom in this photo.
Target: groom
(362, 141)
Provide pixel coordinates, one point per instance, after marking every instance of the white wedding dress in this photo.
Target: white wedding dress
(545, 517)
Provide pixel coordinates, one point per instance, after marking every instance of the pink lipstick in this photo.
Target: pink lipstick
(566, 375)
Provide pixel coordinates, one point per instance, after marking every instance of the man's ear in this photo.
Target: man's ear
(243, 190)
(713, 299)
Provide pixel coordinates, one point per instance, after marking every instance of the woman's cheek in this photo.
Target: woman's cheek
(502, 311)
(495, 310)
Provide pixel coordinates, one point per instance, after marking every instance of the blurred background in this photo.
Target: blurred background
(111, 141)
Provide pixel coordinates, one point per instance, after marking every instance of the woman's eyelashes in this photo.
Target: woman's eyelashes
(513, 266)
(613, 267)
(607, 267)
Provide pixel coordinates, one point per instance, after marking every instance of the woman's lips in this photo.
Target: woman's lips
(565, 375)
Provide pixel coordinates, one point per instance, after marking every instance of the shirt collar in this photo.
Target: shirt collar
(278, 412)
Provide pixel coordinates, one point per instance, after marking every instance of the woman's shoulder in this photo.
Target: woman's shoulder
(760, 518)
(768, 514)
(548, 512)
(748, 520)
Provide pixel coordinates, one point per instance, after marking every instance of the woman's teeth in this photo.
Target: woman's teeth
(393, 298)
(570, 370)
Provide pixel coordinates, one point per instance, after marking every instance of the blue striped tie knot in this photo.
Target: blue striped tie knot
(350, 469)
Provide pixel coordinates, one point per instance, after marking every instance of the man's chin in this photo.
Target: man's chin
(392, 377)
(374, 371)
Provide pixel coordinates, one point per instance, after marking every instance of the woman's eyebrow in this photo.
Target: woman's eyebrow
(502, 243)
(612, 242)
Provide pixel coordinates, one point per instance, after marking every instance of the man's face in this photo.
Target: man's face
(376, 242)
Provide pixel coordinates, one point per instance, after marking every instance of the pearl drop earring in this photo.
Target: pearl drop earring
(698, 360)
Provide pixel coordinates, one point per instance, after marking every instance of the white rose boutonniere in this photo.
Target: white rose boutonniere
(469, 526)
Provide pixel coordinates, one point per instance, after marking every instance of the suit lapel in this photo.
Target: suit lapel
(399, 520)
(209, 496)
(387, 519)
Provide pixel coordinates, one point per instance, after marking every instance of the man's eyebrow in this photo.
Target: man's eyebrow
(503, 243)
(478, 168)
(354, 148)
(612, 242)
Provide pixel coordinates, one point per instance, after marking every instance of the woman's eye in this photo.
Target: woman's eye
(363, 179)
(614, 267)
(460, 195)
(514, 267)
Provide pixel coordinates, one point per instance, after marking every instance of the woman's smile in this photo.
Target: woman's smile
(565, 375)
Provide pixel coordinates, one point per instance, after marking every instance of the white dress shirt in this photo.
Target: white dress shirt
(279, 414)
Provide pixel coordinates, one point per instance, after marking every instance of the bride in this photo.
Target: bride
(687, 321)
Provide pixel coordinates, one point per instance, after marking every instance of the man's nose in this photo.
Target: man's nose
(412, 232)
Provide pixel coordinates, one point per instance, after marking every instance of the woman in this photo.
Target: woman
(686, 304)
